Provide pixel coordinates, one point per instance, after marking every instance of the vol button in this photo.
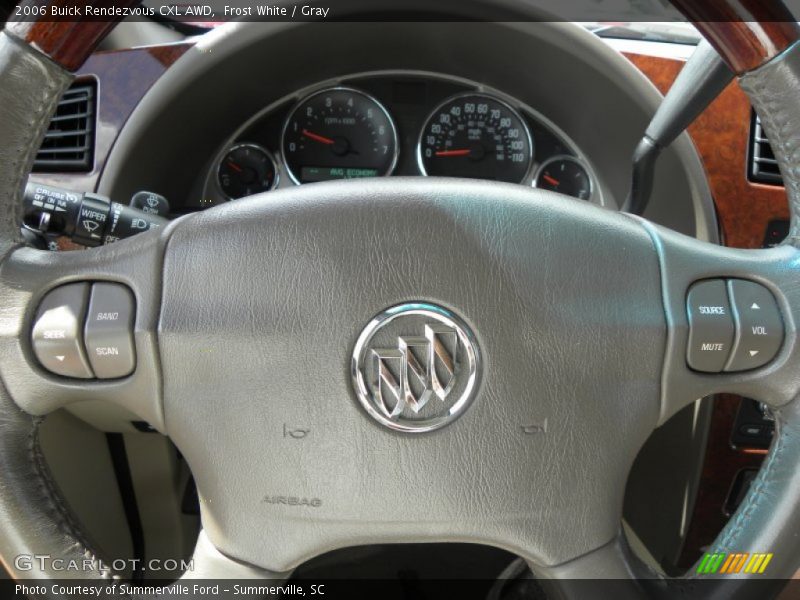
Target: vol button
(759, 327)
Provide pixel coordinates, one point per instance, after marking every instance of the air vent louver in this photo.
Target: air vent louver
(762, 166)
(69, 142)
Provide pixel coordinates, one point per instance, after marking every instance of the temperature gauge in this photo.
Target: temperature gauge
(565, 175)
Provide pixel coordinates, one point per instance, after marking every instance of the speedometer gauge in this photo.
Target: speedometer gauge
(478, 136)
(339, 133)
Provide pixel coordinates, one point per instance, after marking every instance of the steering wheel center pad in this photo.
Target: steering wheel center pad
(572, 338)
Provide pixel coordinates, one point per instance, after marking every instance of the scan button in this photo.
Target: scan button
(109, 331)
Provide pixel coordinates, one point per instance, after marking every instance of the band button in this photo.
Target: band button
(109, 331)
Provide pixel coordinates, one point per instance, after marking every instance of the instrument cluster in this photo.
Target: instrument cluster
(397, 124)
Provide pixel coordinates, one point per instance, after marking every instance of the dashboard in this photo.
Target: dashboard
(396, 123)
(238, 96)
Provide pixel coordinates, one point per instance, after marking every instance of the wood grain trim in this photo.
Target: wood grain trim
(721, 136)
(67, 41)
(722, 463)
(746, 33)
(123, 77)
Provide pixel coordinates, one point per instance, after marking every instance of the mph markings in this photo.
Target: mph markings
(476, 136)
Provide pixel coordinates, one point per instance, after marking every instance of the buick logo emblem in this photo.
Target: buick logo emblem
(415, 367)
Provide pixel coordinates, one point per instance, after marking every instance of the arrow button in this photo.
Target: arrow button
(759, 327)
(57, 336)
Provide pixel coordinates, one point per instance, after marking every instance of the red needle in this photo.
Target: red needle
(318, 138)
(551, 180)
(464, 152)
(234, 166)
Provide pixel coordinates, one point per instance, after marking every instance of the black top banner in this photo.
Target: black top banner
(215, 12)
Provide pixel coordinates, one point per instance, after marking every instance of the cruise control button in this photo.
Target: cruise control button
(109, 331)
(759, 327)
(711, 329)
(57, 335)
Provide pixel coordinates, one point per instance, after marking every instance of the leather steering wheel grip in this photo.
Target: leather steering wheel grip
(34, 519)
(31, 88)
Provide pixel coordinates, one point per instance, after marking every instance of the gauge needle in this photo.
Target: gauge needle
(464, 152)
(318, 138)
(551, 180)
(234, 166)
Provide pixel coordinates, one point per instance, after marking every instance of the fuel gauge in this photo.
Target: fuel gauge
(565, 175)
(246, 169)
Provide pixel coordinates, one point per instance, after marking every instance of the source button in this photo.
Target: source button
(711, 327)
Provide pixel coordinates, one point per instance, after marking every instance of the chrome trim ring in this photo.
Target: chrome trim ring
(579, 162)
(258, 147)
(493, 98)
(415, 367)
(339, 88)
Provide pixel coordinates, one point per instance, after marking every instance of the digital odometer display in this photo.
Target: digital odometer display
(476, 136)
(310, 174)
(339, 133)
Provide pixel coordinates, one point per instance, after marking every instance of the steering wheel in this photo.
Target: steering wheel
(462, 370)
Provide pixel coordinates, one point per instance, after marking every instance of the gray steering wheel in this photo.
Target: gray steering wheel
(441, 344)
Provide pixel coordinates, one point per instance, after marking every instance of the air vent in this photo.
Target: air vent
(762, 166)
(69, 142)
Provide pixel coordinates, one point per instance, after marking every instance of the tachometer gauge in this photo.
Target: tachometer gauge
(565, 175)
(246, 169)
(339, 133)
(478, 136)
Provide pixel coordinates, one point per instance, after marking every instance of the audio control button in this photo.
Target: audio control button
(759, 326)
(711, 329)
